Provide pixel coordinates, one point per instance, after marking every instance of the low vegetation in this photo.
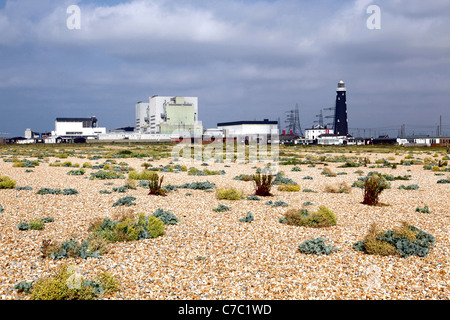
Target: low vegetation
(229, 194)
(373, 186)
(316, 246)
(263, 184)
(404, 241)
(7, 183)
(68, 284)
(323, 217)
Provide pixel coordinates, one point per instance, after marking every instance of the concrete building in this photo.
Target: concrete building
(168, 115)
(71, 128)
(249, 130)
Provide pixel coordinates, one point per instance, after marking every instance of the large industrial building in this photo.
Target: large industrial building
(168, 115)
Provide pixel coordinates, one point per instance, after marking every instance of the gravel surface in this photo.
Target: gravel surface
(211, 255)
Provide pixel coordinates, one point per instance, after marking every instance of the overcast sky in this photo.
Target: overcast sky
(243, 59)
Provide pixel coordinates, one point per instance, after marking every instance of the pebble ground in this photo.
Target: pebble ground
(211, 255)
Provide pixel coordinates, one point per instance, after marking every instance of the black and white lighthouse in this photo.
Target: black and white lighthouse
(340, 113)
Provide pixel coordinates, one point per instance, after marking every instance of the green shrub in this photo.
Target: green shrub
(154, 227)
(373, 186)
(79, 172)
(255, 198)
(70, 248)
(24, 286)
(1, 208)
(195, 186)
(279, 179)
(166, 216)
(248, 217)
(229, 194)
(278, 203)
(125, 201)
(296, 169)
(316, 246)
(36, 224)
(196, 172)
(66, 284)
(69, 192)
(405, 241)
(120, 189)
(244, 177)
(103, 175)
(6, 183)
(128, 230)
(409, 187)
(323, 217)
(221, 208)
(423, 210)
(24, 188)
(443, 181)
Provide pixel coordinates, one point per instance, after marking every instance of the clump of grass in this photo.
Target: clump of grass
(373, 186)
(323, 217)
(263, 184)
(327, 172)
(7, 183)
(229, 194)
(341, 187)
(143, 175)
(289, 187)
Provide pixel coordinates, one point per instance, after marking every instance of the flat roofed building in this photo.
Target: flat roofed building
(77, 127)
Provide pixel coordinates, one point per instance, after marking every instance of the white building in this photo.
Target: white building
(77, 128)
(316, 131)
(331, 139)
(249, 130)
(167, 115)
